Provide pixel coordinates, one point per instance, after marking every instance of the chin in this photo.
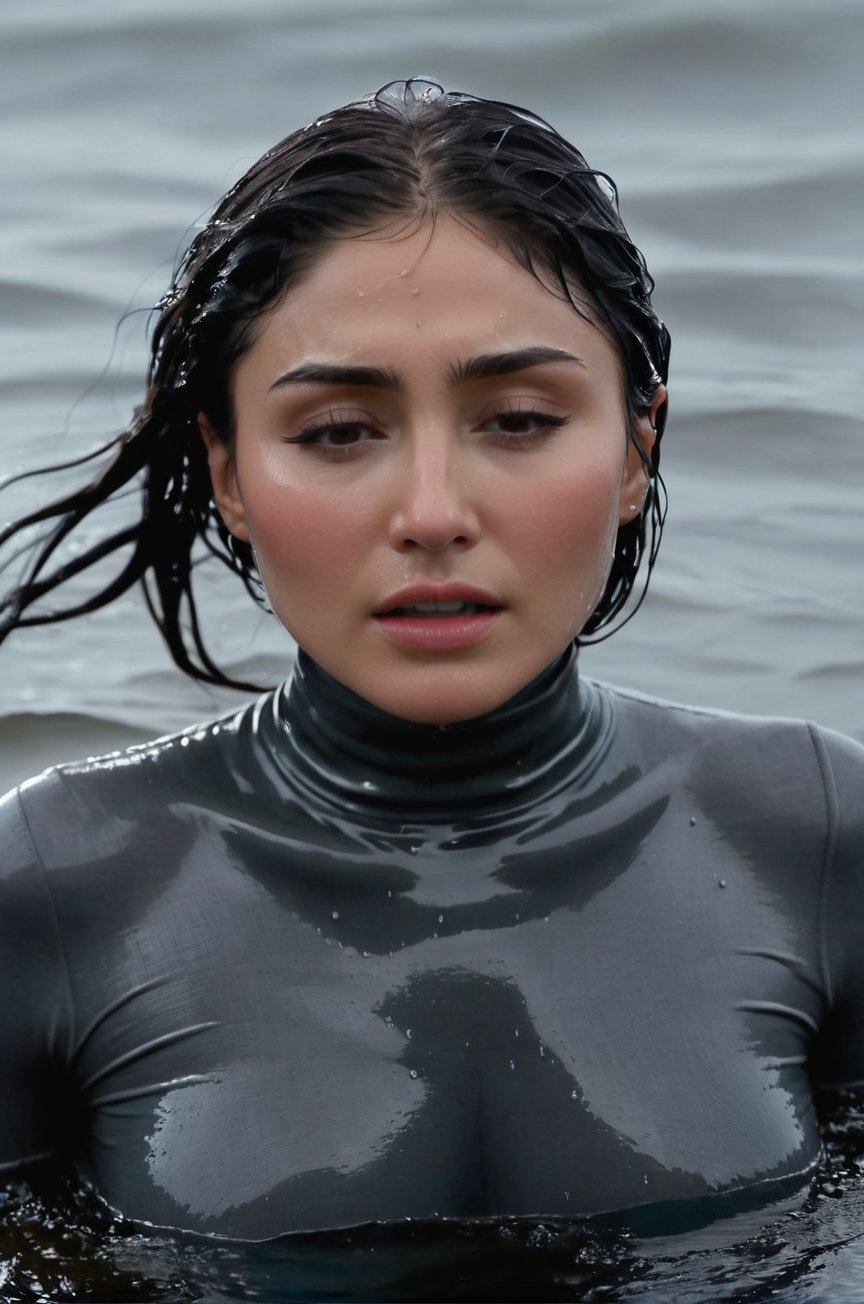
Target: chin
(436, 699)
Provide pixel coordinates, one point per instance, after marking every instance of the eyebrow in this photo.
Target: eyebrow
(328, 373)
(484, 367)
(505, 364)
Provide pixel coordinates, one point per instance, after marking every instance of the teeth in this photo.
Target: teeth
(454, 608)
(436, 608)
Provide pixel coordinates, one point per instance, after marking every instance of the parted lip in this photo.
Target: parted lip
(451, 592)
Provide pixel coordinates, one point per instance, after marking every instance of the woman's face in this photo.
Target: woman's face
(431, 463)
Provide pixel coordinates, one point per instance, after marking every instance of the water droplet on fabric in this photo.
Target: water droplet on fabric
(574, 1094)
(412, 1073)
(512, 1066)
(334, 914)
(440, 919)
(409, 1033)
(721, 882)
(692, 821)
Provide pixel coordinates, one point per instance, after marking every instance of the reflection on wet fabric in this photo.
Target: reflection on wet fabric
(312, 966)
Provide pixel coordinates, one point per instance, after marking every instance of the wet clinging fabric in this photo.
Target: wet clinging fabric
(312, 965)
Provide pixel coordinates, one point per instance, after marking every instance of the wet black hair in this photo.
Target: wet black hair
(406, 152)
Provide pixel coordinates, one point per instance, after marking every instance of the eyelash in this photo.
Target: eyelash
(547, 422)
(313, 436)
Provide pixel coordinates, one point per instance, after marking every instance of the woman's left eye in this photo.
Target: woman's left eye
(521, 427)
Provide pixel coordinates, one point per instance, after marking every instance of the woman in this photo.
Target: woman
(440, 929)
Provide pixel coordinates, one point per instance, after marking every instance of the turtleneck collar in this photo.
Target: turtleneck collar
(339, 747)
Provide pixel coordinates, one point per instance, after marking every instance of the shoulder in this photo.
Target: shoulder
(92, 805)
(765, 763)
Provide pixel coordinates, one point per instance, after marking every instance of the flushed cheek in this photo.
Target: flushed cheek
(305, 550)
(571, 545)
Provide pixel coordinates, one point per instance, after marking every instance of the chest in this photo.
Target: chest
(317, 1053)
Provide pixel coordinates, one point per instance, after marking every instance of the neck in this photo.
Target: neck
(341, 748)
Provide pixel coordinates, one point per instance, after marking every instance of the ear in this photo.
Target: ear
(634, 483)
(223, 477)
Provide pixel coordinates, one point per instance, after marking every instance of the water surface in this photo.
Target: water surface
(734, 131)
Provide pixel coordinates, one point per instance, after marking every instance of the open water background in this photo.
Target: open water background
(735, 131)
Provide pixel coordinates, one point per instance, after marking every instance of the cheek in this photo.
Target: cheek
(305, 540)
(575, 520)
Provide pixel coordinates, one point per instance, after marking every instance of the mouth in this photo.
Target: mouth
(439, 610)
(439, 621)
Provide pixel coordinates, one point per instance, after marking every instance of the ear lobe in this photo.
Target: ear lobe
(634, 484)
(223, 477)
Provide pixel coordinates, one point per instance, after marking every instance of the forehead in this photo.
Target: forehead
(441, 284)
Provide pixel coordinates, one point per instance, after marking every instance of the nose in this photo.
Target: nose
(432, 510)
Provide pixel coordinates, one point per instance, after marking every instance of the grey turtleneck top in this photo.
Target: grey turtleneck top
(312, 965)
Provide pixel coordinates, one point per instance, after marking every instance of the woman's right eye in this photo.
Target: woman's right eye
(335, 435)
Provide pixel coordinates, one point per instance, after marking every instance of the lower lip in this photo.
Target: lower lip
(439, 633)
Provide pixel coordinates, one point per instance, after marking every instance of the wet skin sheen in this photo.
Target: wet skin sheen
(313, 965)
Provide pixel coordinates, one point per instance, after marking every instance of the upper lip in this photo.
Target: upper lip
(453, 592)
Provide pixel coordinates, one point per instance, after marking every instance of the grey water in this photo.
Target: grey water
(735, 132)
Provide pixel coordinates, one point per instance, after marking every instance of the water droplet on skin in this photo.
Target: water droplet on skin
(389, 894)
(368, 785)
(409, 1033)
(413, 849)
(365, 955)
(334, 914)
(412, 1073)
(574, 1094)
(440, 919)
(415, 290)
(515, 1032)
(512, 1066)
(542, 1052)
(645, 1179)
